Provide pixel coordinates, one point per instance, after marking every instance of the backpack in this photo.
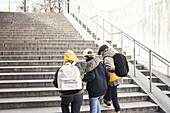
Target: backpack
(121, 65)
(69, 77)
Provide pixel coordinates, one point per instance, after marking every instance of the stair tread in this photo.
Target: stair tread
(130, 105)
(53, 88)
(28, 73)
(57, 98)
(7, 67)
(166, 92)
(159, 84)
(152, 77)
(144, 70)
(25, 81)
(36, 55)
(37, 80)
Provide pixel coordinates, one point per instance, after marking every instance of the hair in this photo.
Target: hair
(90, 54)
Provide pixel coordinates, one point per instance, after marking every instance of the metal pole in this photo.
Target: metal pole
(122, 42)
(91, 27)
(86, 26)
(96, 26)
(134, 59)
(103, 31)
(168, 70)
(68, 6)
(150, 69)
(25, 3)
(112, 35)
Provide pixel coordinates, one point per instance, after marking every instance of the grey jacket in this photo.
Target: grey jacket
(86, 67)
(109, 64)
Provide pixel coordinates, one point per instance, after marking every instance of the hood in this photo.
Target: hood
(109, 53)
(70, 56)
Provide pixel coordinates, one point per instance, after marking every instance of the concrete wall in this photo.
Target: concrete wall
(146, 20)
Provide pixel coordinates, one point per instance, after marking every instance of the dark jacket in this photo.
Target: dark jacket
(97, 80)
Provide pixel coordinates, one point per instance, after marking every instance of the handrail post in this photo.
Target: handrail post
(150, 69)
(121, 41)
(91, 27)
(86, 27)
(134, 58)
(68, 7)
(168, 71)
(112, 35)
(96, 26)
(103, 31)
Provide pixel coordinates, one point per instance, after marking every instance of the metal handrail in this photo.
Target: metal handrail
(128, 36)
(136, 42)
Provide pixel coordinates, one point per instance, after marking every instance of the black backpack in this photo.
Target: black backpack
(121, 65)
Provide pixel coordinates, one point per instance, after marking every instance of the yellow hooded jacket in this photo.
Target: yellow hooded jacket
(70, 56)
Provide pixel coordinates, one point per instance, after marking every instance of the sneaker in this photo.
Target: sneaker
(108, 103)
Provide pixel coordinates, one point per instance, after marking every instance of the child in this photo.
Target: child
(112, 88)
(75, 97)
(97, 82)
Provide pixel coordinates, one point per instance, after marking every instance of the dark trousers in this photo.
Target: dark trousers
(76, 102)
(112, 95)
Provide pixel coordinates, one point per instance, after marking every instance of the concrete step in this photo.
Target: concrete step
(33, 62)
(12, 69)
(37, 30)
(154, 79)
(37, 33)
(45, 44)
(57, 52)
(36, 57)
(167, 92)
(42, 35)
(146, 72)
(43, 40)
(34, 29)
(54, 101)
(52, 91)
(38, 36)
(26, 83)
(13, 26)
(129, 107)
(37, 83)
(162, 86)
(46, 48)
(40, 76)
(27, 76)
(43, 24)
(48, 27)
(140, 67)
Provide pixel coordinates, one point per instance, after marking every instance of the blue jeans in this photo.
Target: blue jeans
(95, 104)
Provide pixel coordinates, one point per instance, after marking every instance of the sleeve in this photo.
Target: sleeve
(89, 76)
(55, 82)
(107, 76)
(86, 67)
(109, 64)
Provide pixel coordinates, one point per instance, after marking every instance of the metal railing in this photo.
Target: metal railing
(101, 28)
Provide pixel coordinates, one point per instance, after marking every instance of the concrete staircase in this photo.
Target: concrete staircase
(32, 47)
